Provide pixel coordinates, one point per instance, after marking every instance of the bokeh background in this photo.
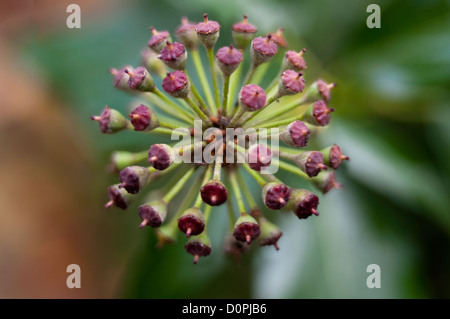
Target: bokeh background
(392, 114)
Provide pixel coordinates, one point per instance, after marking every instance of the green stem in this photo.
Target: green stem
(197, 110)
(250, 74)
(226, 88)
(202, 76)
(236, 117)
(207, 214)
(259, 74)
(237, 193)
(291, 169)
(234, 83)
(212, 66)
(178, 186)
(168, 125)
(156, 101)
(230, 214)
(168, 131)
(257, 177)
(205, 179)
(197, 95)
(172, 104)
(247, 194)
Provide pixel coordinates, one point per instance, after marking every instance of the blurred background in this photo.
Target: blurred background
(391, 118)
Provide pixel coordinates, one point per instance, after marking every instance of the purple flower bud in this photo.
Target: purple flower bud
(198, 246)
(174, 55)
(140, 80)
(153, 213)
(275, 196)
(186, 34)
(121, 77)
(158, 39)
(263, 49)
(143, 119)
(259, 156)
(252, 98)
(161, 156)
(192, 222)
(332, 156)
(111, 121)
(246, 229)
(310, 162)
(119, 197)
(176, 84)
(214, 193)
(326, 181)
(295, 134)
(291, 83)
(134, 178)
(243, 33)
(208, 32)
(319, 90)
(278, 38)
(294, 61)
(303, 203)
(317, 114)
(228, 59)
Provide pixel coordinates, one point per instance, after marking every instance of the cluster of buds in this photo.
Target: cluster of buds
(236, 103)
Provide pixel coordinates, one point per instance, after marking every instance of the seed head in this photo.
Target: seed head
(275, 195)
(252, 98)
(158, 39)
(318, 113)
(243, 33)
(278, 38)
(111, 121)
(153, 213)
(246, 229)
(192, 222)
(295, 134)
(228, 59)
(332, 156)
(174, 55)
(143, 119)
(121, 77)
(326, 181)
(311, 162)
(303, 203)
(208, 32)
(294, 61)
(259, 156)
(263, 49)
(140, 80)
(198, 246)
(270, 233)
(161, 156)
(176, 84)
(214, 193)
(134, 178)
(186, 34)
(119, 197)
(291, 82)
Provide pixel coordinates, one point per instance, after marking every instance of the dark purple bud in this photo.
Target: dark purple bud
(319, 90)
(270, 233)
(243, 33)
(119, 197)
(174, 55)
(304, 203)
(252, 98)
(295, 134)
(143, 119)
(317, 114)
(291, 83)
(158, 39)
(121, 77)
(278, 38)
(294, 61)
(140, 80)
(208, 32)
(332, 156)
(326, 181)
(311, 162)
(259, 156)
(161, 156)
(111, 121)
(246, 229)
(214, 193)
(198, 246)
(153, 213)
(176, 84)
(192, 222)
(263, 49)
(134, 178)
(275, 196)
(228, 59)
(186, 34)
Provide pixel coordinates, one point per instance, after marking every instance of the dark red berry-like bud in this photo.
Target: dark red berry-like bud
(326, 181)
(198, 246)
(252, 98)
(214, 193)
(259, 156)
(134, 178)
(263, 49)
(295, 134)
(174, 55)
(317, 114)
(208, 32)
(332, 156)
(111, 121)
(311, 162)
(246, 229)
(140, 80)
(176, 84)
(228, 59)
(270, 233)
(119, 197)
(294, 61)
(319, 90)
(153, 213)
(192, 222)
(275, 196)
(121, 77)
(243, 33)
(186, 34)
(291, 83)
(278, 38)
(161, 156)
(304, 203)
(143, 119)
(158, 39)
